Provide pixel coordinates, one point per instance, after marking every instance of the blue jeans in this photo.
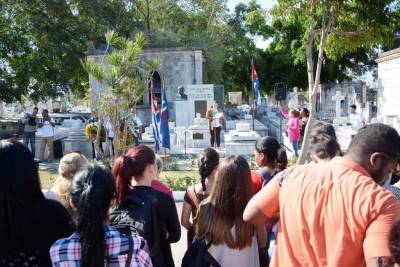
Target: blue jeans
(295, 145)
(29, 137)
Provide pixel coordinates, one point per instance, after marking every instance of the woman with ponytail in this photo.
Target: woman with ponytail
(141, 209)
(207, 161)
(96, 244)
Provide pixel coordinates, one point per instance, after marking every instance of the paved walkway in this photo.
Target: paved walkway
(179, 248)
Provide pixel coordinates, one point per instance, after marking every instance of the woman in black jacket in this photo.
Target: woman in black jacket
(142, 209)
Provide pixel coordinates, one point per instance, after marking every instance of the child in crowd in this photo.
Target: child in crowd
(293, 125)
(207, 161)
(95, 243)
(29, 223)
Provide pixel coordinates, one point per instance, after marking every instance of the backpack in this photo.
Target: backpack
(138, 216)
(197, 255)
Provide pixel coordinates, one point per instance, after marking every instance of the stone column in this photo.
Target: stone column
(198, 65)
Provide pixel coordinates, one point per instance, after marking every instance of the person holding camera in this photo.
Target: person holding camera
(30, 123)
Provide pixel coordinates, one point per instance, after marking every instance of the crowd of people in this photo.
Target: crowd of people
(336, 210)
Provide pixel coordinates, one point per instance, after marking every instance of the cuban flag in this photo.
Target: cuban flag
(156, 119)
(164, 128)
(256, 84)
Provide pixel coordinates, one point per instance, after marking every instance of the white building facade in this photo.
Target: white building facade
(389, 88)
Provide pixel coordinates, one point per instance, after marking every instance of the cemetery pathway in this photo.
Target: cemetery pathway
(179, 248)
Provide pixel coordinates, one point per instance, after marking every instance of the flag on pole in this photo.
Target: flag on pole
(256, 84)
(155, 119)
(164, 127)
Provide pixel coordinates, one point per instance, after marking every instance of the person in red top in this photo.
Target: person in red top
(156, 184)
(334, 213)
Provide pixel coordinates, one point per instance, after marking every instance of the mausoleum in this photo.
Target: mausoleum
(178, 67)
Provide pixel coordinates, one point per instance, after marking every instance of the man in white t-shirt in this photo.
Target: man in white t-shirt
(47, 135)
(110, 133)
(355, 120)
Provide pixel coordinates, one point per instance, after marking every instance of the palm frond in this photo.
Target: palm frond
(94, 69)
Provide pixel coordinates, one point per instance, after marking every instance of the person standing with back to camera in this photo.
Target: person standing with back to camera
(214, 118)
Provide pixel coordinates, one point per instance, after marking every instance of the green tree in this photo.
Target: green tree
(336, 28)
(40, 48)
(126, 78)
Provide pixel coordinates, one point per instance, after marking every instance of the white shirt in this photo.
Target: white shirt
(109, 128)
(47, 129)
(216, 119)
(226, 256)
(356, 122)
(137, 120)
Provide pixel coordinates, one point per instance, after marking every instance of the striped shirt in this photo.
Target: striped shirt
(67, 252)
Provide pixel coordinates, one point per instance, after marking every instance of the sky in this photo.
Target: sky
(264, 3)
(260, 42)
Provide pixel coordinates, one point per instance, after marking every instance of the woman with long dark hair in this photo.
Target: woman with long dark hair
(149, 212)
(29, 223)
(220, 222)
(207, 162)
(96, 244)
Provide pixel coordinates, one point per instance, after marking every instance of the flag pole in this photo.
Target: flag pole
(163, 88)
(254, 93)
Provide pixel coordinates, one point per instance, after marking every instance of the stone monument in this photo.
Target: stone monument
(352, 93)
(235, 98)
(338, 97)
(192, 99)
(293, 99)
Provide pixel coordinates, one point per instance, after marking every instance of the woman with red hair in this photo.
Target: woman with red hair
(143, 210)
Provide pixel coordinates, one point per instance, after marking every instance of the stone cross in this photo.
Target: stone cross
(337, 98)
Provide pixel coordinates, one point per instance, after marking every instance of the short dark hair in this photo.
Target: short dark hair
(323, 146)
(36, 108)
(373, 138)
(46, 110)
(324, 128)
(269, 146)
(394, 242)
(353, 106)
